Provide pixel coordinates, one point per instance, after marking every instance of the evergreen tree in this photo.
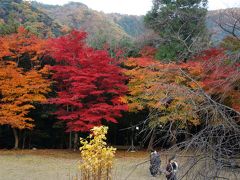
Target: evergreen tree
(181, 26)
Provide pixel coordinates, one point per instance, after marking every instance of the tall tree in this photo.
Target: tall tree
(218, 75)
(163, 91)
(22, 79)
(181, 26)
(229, 22)
(89, 84)
(19, 90)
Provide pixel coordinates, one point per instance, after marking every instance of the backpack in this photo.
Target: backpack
(174, 166)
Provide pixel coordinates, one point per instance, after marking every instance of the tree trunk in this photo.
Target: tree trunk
(16, 138)
(174, 137)
(29, 142)
(24, 139)
(75, 141)
(150, 145)
(62, 144)
(70, 140)
(187, 134)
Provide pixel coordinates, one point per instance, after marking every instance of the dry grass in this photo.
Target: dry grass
(63, 165)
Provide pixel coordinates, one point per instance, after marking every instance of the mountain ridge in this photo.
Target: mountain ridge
(132, 25)
(54, 20)
(18, 12)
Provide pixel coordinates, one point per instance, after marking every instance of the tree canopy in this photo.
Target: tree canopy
(181, 26)
(89, 83)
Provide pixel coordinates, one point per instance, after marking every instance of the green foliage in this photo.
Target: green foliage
(169, 51)
(132, 25)
(16, 13)
(232, 44)
(100, 28)
(180, 24)
(10, 26)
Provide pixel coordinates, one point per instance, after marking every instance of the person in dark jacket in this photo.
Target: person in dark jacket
(155, 163)
(171, 169)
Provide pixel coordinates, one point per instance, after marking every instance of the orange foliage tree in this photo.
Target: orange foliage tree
(160, 87)
(163, 90)
(23, 47)
(173, 92)
(21, 86)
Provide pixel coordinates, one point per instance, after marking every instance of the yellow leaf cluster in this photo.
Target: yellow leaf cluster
(97, 158)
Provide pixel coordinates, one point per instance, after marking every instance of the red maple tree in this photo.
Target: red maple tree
(89, 83)
(218, 76)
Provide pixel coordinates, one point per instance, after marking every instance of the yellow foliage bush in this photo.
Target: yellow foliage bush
(97, 158)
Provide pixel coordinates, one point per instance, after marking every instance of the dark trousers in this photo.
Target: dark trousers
(171, 177)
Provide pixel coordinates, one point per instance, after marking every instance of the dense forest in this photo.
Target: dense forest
(169, 79)
(57, 81)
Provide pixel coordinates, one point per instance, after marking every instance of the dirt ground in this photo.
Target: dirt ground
(63, 165)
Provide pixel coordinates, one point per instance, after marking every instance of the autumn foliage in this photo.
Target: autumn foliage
(22, 47)
(89, 83)
(217, 75)
(22, 78)
(170, 90)
(92, 88)
(159, 88)
(19, 90)
(97, 157)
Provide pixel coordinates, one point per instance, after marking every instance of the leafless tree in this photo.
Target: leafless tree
(229, 21)
(210, 152)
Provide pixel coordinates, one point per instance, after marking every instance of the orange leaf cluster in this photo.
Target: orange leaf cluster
(217, 75)
(20, 45)
(152, 84)
(20, 87)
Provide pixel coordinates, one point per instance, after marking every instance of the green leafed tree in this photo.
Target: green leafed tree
(181, 26)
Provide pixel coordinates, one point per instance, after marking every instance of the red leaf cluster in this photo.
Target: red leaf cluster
(218, 75)
(90, 85)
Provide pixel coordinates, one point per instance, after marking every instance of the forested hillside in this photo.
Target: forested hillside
(216, 17)
(101, 29)
(14, 13)
(78, 15)
(52, 20)
(132, 25)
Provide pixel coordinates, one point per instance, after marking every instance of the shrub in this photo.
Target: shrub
(97, 158)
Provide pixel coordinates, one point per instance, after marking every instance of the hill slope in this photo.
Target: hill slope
(17, 12)
(77, 15)
(132, 25)
(51, 20)
(226, 16)
(113, 26)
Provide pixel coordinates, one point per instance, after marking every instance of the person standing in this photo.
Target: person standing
(155, 163)
(171, 169)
